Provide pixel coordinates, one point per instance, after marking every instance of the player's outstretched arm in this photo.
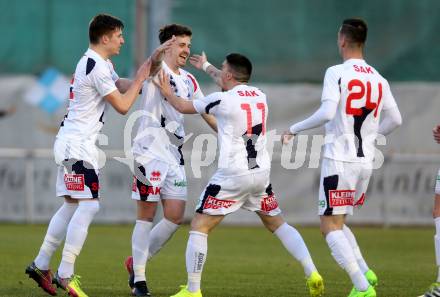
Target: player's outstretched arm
(325, 113)
(181, 105)
(123, 84)
(210, 120)
(201, 62)
(122, 102)
(391, 119)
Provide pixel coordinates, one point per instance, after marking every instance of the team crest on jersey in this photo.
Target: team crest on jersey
(215, 203)
(341, 198)
(74, 182)
(155, 176)
(269, 203)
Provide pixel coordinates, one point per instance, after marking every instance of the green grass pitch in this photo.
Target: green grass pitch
(242, 261)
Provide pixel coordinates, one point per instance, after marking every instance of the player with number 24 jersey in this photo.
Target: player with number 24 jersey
(361, 94)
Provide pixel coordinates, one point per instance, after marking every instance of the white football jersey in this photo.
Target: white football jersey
(94, 78)
(241, 115)
(160, 134)
(361, 94)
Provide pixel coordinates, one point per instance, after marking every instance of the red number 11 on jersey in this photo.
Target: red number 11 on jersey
(247, 107)
(352, 96)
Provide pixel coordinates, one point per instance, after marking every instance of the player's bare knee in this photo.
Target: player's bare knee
(436, 210)
(271, 223)
(200, 227)
(178, 219)
(330, 223)
(146, 210)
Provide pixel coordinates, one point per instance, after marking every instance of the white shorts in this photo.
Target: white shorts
(78, 174)
(437, 183)
(226, 194)
(342, 186)
(155, 179)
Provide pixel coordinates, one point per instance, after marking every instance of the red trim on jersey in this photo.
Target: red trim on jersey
(193, 81)
(71, 95)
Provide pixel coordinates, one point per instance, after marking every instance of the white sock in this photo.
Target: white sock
(356, 250)
(76, 235)
(437, 245)
(139, 245)
(196, 252)
(296, 246)
(344, 256)
(56, 231)
(159, 235)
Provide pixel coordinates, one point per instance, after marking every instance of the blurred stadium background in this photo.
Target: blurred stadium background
(291, 43)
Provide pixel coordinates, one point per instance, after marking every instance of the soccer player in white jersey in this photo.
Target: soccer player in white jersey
(159, 164)
(434, 289)
(242, 178)
(94, 85)
(354, 99)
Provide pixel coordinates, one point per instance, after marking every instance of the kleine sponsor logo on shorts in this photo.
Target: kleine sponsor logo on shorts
(74, 182)
(269, 203)
(214, 203)
(341, 197)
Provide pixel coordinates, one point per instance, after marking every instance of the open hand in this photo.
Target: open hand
(286, 137)
(198, 60)
(163, 47)
(162, 81)
(436, 133)
(144, 71)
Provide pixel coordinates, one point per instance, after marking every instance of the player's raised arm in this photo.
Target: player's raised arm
(123, 84)
(181, 105)
(157, 55)
(122, 102)
(201, 62)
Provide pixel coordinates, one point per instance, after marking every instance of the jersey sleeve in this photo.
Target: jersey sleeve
(330, 90)
(210, 104)
(102, 79)
(196, 91)
(388, 98)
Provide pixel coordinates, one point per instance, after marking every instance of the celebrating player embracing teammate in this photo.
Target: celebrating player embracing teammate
(95, 84)
(242, 178)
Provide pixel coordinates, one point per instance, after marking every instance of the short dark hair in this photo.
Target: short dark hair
(167, 31)
(355, 30)
(241, 66)
(102, 24)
